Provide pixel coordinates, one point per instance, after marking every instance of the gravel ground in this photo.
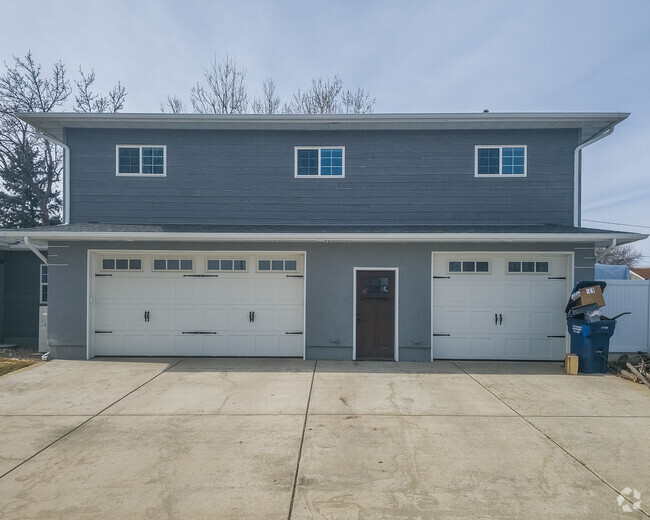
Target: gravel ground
(19, 352)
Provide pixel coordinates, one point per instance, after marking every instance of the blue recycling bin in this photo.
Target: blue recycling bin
(590, 342)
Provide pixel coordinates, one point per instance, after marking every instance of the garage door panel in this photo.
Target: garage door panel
(529, 308)
(199, 303)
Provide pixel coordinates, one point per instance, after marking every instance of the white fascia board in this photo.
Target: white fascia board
(327, 237)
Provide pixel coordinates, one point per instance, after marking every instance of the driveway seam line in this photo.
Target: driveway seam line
(618, 491)
(302, 441)
(85, 422)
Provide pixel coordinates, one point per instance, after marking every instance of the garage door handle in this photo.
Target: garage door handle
(298, 332)
(496, 319)
(198, 332)
(251, 316)
(500, 319)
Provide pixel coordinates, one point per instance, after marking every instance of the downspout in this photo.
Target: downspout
(31, 246)
(66, 175)
(611, 246)
(577, 167)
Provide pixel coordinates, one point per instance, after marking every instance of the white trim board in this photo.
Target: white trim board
(354, 307)
(121, 236)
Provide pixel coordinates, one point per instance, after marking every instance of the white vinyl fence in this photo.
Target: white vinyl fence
(632, 331)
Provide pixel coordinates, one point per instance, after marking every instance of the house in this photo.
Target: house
(400, 237)
(640, 273)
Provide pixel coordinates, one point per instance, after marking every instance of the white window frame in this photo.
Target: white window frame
(489, 263)
(535, 262)
(295, 271)
(220, 259)
(500, 147)
(42, 284)
(319, 176)
(115, 259)
(167, 259)
(140, 147)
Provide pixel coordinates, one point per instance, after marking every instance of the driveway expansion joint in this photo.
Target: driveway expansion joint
(619, 492)
(85, 422)
(302, 441)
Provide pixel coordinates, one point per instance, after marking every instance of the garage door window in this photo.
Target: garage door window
(121, 264)
(277, 265)
(172, 264)
(527, 267)
(471, 266)
(225, 265)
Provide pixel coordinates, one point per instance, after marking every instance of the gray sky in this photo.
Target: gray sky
(413, 56)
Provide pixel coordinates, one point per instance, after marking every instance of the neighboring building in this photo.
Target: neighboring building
(21, 295)
(406, 237)
(640, 273)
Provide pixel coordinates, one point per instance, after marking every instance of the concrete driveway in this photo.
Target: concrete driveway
(272, 438)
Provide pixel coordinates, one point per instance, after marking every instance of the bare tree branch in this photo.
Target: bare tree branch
(270, 102)
(320, 98)
(173, 105)
(357, 102)
(88, 101)
(621, 255)
(224, 91)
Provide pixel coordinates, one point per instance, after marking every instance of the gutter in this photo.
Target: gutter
(31, 246)
(611, 246)
(66, 174)
(134, 236)
(577, 166)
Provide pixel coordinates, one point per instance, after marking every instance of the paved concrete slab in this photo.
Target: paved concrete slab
(544, 389)
(63, 387)
(161, 467)
(616, 448)
(439, 388)
(442, 467)
(225, 386)
(23, 436)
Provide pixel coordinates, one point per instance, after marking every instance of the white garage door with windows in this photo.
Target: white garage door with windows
(499, 305)
(196, 304)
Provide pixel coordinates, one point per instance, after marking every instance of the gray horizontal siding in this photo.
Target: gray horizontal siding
(247, 177)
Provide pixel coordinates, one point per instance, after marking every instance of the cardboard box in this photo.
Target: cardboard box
(589, 295)
(571, 364)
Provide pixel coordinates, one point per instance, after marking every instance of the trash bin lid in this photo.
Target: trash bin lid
(582, 285)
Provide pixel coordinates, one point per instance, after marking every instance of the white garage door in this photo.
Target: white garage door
(499, 306)
(197, 304)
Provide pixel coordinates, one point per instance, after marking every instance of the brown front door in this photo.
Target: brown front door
(376, 315)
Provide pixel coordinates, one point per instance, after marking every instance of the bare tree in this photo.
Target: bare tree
(269, 103)
(326, 96)
(173, 105)
(320, 98)
(621, 255)
(357, 102)
(224, 91)
(88, 101)
(30, 167)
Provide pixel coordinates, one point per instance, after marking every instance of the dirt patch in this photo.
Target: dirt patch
(9, 365)
(18, 356)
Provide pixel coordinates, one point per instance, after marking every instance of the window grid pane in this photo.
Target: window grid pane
(488, 161)
(129, 160)
(308, 161)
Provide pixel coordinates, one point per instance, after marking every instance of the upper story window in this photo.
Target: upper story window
(319, 161)
(501, 160)
(142, 160)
